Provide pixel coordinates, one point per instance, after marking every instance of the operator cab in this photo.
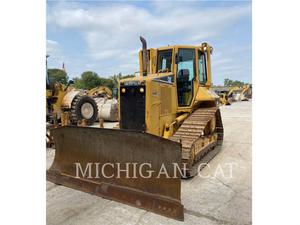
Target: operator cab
(188, 64)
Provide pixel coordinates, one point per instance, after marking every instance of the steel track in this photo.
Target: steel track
(189, 134)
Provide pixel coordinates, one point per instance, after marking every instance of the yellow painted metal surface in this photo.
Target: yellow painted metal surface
(161, 97)
(59, 93)
(62, 98)
(100, 90)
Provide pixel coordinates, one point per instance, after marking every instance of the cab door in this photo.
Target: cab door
(186, 75)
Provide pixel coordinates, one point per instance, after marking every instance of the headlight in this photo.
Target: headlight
(123, 90)
(142, 90)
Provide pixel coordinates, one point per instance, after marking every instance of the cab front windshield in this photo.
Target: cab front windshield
(164, 61)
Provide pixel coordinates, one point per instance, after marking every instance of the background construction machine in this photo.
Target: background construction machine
(222, 92)
(246, 92)
(107, 105)
(240, 93)
(233, 93)
(167, 115)
(67, 105)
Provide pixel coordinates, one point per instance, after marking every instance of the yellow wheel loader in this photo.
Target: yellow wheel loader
(170, 126)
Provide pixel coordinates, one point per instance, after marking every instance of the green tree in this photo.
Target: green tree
(87, 80)
(77, 83)
(226, 82)
(58, 75)
(229, 83)
(107, 82)
(127, 76)
(115, 78)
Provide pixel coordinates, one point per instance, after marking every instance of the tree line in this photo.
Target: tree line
(90, 79)
(229, 83)
(87, 79)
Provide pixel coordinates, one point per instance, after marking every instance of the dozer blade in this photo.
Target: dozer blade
(91, 148)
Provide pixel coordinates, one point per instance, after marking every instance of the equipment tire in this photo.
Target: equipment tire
(76, 109)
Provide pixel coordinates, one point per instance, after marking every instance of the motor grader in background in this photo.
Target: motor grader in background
(167, 117)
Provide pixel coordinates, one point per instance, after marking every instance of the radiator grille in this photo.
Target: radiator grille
(132, 108)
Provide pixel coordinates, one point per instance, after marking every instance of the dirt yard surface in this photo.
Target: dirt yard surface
(223, 194)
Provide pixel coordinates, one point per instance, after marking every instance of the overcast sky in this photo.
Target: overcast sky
(104, 36)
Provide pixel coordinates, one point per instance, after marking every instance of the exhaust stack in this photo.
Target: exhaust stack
(145, 58)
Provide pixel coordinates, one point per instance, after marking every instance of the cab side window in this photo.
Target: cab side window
(164, 61)
(202, 68)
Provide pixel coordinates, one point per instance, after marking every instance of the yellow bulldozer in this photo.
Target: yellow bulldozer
(168, 121)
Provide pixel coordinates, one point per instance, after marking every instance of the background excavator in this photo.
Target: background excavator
(167, 116)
